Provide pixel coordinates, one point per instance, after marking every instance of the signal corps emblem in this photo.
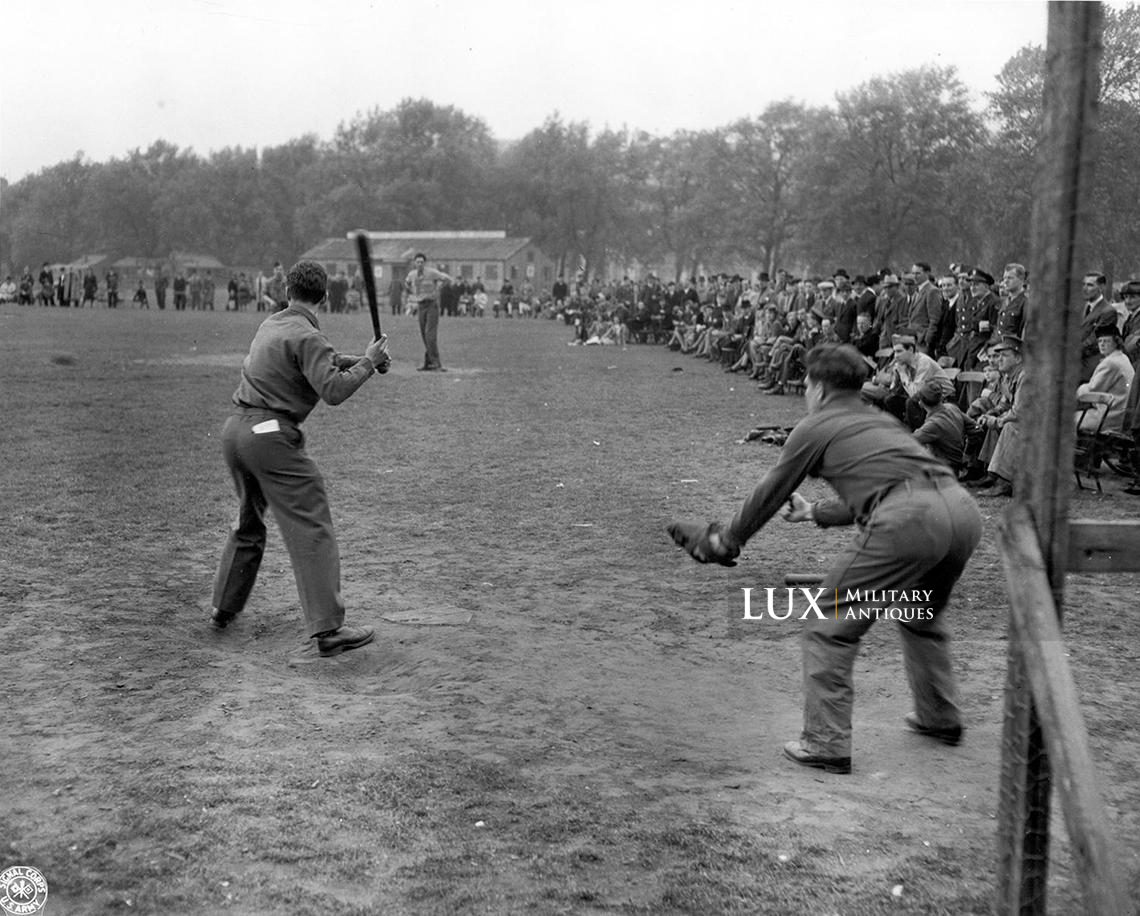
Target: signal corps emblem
(23, 890)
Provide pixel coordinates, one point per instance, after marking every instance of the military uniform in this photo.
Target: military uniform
(917, 530)
(290, 367)
(967, 334)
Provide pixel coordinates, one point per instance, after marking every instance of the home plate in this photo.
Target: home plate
(445, 616)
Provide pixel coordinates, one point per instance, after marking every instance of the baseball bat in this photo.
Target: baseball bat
(365, 255)
(803, 579)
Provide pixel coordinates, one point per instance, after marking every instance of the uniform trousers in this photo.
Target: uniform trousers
(429, 331)
(919, 537)
(271, 469)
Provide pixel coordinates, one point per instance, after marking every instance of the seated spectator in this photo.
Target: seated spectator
(1003, 434)
(865, 338)
(944, 430)
(759, 346)
(8, 289)
(898, 385)
(787, 363)
(1113, 375)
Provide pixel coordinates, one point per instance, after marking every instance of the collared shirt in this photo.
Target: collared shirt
(291, 366)
(860, 450)
(421, 287)
(944, 433)
(912, 378)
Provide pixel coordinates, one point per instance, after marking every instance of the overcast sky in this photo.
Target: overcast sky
(109, 76)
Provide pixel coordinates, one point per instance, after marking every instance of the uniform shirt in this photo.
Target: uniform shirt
(291, 366)
(1010, 318)
(860, 450)
(421, 287)
(944, 433)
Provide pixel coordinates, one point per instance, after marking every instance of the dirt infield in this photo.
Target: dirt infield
(560, 714)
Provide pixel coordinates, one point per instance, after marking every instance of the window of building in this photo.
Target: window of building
(467, 271)
(530, 255)
(491, 273)
(547, 273)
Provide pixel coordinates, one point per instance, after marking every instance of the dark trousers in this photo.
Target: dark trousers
(271, 469)
(428, 312)
(919, 537)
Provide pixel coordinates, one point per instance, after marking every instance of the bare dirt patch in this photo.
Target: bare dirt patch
(560, 714)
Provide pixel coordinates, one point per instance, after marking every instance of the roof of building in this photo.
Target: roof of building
(439, 247)
(193, 259)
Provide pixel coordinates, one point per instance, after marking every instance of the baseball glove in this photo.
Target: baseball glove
(704, 543)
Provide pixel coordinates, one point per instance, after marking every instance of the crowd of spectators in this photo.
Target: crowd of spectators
(944, 350)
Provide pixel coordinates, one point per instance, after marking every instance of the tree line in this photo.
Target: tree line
(903, 166)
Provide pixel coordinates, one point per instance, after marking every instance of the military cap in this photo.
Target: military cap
(977, 275)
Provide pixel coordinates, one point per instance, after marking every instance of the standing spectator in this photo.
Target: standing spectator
(26, 289)
(1011, 312)
(195, 288)
(140, 297)
(338, 292)
(90, 287)
(47, 285)
(161, 282)
(1098, 313)
(558, 292)
(972, 320)
(507, 297)
(926, 308)
(208, 291)
(244, 292)
(421, 288)
(395, 296)
(232, 293)
(61, 288)
(179, 288)
(112, 280)
(275, 288)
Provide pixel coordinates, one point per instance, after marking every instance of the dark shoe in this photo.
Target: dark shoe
(344, 639)
(982, 482)
(793, 751)
(1133, 490)
(951, 736)
(423, 368)
(222, 619)
(778, 389)
(1000, 488)
(977, 472)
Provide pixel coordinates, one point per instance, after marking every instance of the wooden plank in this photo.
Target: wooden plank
(1103, 546)
(1038, 634)
(1058, 258)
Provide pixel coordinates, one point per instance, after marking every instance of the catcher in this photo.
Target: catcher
(917, 530)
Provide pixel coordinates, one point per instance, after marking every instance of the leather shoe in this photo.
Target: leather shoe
(794, 751)
(222, 619)
(1133, 490)
(344, 639)
(981, 483)
(1000, 488)
(951, 735)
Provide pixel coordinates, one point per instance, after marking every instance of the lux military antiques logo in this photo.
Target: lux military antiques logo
(23, 890)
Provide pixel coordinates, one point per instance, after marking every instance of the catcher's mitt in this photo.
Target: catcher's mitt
(704, 543)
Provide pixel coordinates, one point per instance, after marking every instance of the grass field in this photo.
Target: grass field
(560, 713)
